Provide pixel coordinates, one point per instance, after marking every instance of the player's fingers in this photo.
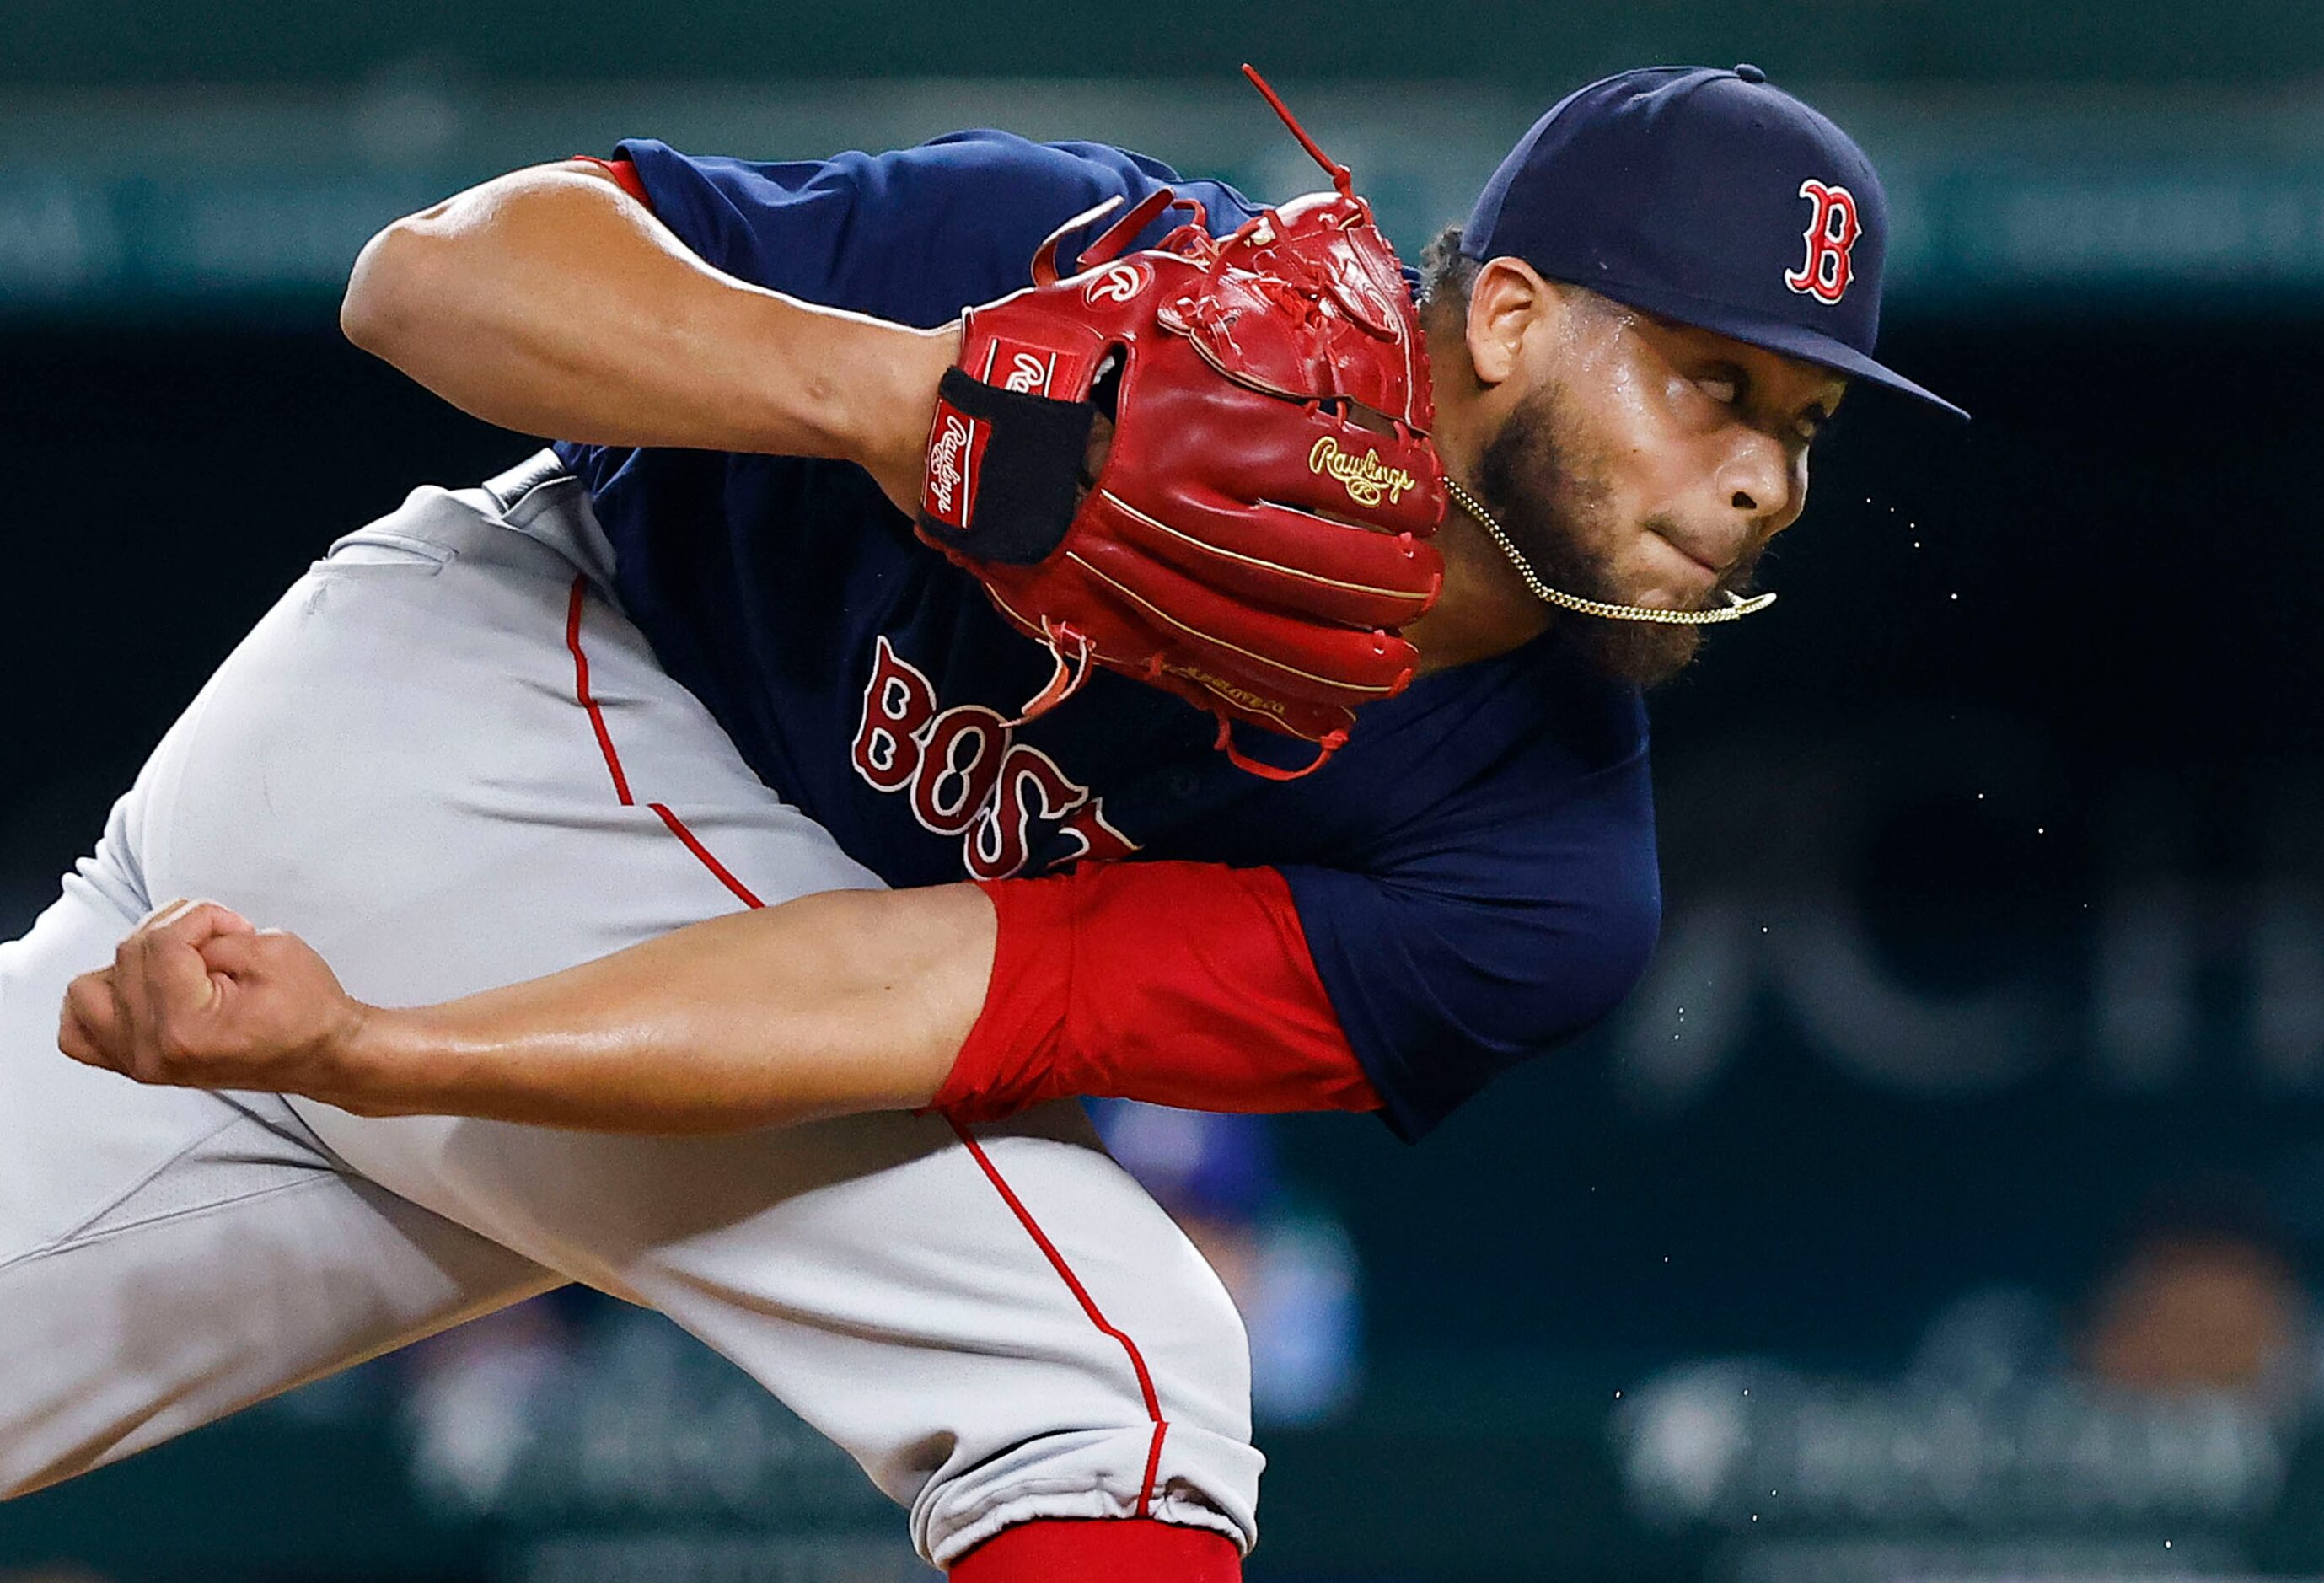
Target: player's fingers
(170, 948)
(193, 922)
(88, 1024)
(176, 985)
(219, 920)
(161, 916)
(246, 954)
(127, 981)
(132, 987)
(167, 989)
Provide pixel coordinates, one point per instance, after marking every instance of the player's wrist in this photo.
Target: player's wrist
(383, 1063)
(823, 383)
(893, 441)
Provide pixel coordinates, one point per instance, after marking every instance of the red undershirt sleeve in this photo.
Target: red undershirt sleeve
(624, 174)
(1182, 984)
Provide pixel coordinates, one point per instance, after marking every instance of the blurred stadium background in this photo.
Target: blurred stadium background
(1949, 1204)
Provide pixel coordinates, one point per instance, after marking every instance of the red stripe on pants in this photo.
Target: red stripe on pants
(726, 877)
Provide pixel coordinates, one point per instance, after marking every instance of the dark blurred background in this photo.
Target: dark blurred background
(1950, 1204)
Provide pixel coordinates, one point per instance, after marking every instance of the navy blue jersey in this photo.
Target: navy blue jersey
(1474, 872)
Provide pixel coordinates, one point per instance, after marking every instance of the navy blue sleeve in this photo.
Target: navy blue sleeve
(1500, 932)
(912, 236)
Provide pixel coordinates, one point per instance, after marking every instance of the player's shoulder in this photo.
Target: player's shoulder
(996, 176)
(994, 150)
(1007, 174)
(981, 163)
(1516, 788)
(912, 233)
(1531, 740)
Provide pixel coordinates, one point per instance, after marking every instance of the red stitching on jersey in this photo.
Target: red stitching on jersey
(581, 693)
(1089, 1307)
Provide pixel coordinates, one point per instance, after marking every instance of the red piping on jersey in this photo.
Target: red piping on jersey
(1089, 1307)
(976, 1151)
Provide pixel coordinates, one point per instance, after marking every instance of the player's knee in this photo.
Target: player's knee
(27, 1462)
(1208, 1357)
(23, 1468)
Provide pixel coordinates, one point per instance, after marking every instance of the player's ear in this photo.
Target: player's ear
(1505, 301)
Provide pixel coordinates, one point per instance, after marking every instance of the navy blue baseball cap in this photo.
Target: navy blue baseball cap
(1709, 197)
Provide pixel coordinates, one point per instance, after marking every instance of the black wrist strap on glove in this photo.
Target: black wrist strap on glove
(1017, 460)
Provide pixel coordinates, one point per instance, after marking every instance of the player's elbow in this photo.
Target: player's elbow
(1597, 972)
(1587, 968)
(382, 310)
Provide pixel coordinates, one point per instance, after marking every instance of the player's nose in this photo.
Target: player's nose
(1760, 488)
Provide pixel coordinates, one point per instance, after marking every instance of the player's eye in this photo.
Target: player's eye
(1720, 388)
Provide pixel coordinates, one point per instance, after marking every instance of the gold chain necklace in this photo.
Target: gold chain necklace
(1737, 607)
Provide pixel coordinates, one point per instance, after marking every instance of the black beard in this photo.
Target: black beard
(1554, 512)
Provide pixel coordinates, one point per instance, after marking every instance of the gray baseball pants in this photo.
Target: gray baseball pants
(399, 765)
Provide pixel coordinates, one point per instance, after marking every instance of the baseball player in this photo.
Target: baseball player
(683, 723)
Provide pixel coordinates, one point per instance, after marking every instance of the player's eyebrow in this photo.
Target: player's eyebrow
(1717, 359)
(1819, 407)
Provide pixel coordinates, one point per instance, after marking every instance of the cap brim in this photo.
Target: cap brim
(1782, 335)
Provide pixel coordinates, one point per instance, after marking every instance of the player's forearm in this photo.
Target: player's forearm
(551, 303)
(835, 1004)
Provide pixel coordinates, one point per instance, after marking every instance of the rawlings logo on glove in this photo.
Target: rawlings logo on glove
(952, 467)
(1029, 373)
(1254, 540)
(1364, 478)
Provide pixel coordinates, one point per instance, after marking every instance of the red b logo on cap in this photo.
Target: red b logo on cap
(1831, 232)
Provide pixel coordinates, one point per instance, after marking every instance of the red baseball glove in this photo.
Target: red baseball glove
(1253, 539)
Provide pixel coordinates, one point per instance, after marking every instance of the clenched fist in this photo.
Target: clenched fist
(201, 997)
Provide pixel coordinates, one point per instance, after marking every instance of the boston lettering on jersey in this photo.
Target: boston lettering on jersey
(964, 775)
(1474, 874)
